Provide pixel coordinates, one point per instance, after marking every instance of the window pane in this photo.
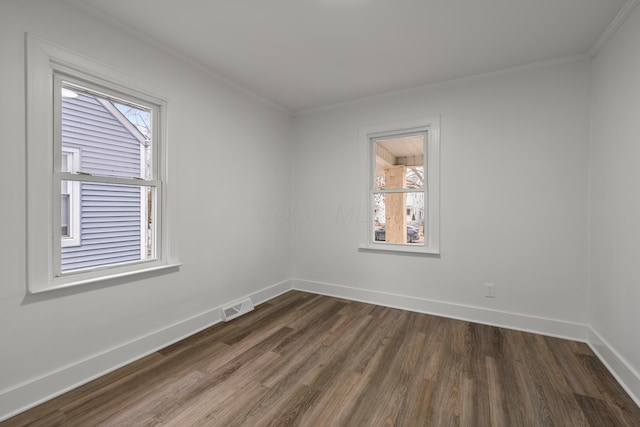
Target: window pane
(399, 218)
(116, 226)
(399, 162)
(65, 213)
(114, 137)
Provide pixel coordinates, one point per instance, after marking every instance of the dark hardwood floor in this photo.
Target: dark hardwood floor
(309, 360)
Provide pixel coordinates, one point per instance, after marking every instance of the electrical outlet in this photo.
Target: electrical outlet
(490, 290)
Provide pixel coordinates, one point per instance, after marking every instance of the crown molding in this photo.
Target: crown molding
(184, 58)
(617, 22)
(459, 80)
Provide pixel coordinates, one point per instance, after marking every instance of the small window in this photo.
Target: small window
(98, 139)
(402, 187)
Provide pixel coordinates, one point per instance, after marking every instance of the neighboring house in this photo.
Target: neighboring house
(101, 224)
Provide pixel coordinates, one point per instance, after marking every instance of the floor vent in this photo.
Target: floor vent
(237, 309)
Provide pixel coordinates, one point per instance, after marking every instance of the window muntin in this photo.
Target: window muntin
(115, 213)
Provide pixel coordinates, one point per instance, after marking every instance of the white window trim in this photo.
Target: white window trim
(430, 124)
(43, 236)
(74, 200)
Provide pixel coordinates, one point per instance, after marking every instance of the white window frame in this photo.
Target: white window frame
(64, 77)
(44, 62)
(430, 126)
(74, 199)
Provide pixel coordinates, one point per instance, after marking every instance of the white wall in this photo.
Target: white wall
(234, 157)
(615, 201)
(514, 207)
(514, 172)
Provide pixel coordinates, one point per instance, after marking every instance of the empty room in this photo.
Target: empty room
(320, 213)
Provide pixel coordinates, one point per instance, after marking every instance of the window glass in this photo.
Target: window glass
(115, 137)
(399, 182)
(114, 212)
(117, 226)
(405, 151)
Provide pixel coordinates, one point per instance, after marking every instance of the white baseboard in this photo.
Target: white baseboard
(622, 371)
(29, 394)
(521, 322)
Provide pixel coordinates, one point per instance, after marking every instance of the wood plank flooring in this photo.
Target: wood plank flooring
(308, 360)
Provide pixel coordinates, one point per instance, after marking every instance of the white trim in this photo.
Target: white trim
(39, 195)
(101, 179)
(31, 393)
(22, 397)
(521, 322)
(613, 27)
(92, 10)
(431, 126)
(105, 274)
(374, 246)
(622, 371)
(437, 84)
(43, 61)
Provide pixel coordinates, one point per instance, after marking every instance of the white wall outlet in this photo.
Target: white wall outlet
(490, 290)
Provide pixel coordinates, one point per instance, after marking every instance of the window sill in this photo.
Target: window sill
(53, 286)
(399, 248)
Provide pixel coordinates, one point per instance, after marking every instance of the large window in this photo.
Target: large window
(97, 140)
(110, 194)
(402, 176)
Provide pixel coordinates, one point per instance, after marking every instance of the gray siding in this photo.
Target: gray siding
(110, 230)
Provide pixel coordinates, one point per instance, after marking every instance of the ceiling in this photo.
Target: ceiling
(406, 150)
(305, 54)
